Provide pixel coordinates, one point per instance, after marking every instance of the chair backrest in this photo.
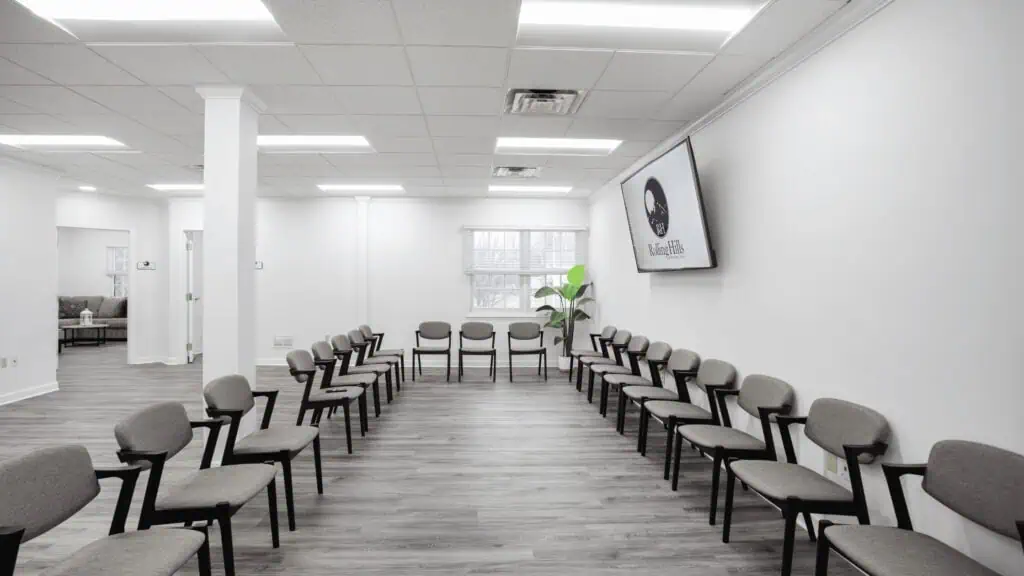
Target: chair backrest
(981, 483)
(715, 373)
(683, 360)
(322, 351)
(638, 345)
(161, 427)
(477, 330)
(356, 337)
(608, 332)
(340, 343)
(760, 391)
(621, 337)
(435, 330)
(366, 331)
(524, 330)
(300, 361)
(659, 352)
(40, 490)
(832, 423)
(229, 393)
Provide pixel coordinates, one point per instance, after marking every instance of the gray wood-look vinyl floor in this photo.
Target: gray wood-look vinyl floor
(470, 478)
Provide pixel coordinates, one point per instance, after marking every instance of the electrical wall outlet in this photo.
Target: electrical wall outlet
(14, 362)
(831, 463)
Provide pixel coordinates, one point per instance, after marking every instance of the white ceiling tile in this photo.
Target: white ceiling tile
(163, 65)
(466, 171)
(19, 24)
(633, 149)
(651, 71)
(261, 64)
(690, 105)
(458, 22)
(447, 66)
(444, 126)
(780, 25)
(520, 160)
(182, 122)
(35, 123)
(67, 64)
(374, 126)
(724, 73)
(300, 99)
(535, 126)
(405, 145)
(378, 99)
(270, 124)
(130, 100)
(51, 100)
(317, 123)
(336, 21)
(474, 145)
(11, 107)
(350, 161)
(360, 65)
(577, 162)
(607, 104)
(11, 73)
(655, 130)
(186, 96)
(622, 128)
(462, 100)
(465, 159)
(557, 68)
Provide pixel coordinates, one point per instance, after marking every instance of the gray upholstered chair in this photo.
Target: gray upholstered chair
(761, 397)
(981, 483)
(361, 345)
(324, 360)
(618, 344)
(434, 331)
(231, 397)
(637, 389)
(303, 368)
(636, 350)
(599, 347)
(527, 332)
(478, 332)
(367, 376)
(376, 339)
(153, 435)
(40, 490)
(712, 375)
(850, 431)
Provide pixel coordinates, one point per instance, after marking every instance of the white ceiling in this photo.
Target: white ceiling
(423, 80)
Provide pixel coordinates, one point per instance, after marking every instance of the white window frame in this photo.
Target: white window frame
(525, 271)
(118, 273)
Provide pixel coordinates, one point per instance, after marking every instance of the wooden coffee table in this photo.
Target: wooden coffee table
(99, 340)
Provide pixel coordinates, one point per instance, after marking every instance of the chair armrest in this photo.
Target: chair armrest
(323, 364)
(271, 396)
(302, 372)
(856, 450)
(719, 394)
(212, 424)
(784, 423)
(152, 457)
(10, 542)
(784, 420)
(893, 474)
(129, 475)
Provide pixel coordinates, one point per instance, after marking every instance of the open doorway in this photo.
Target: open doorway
(93, 291)
(193, 295)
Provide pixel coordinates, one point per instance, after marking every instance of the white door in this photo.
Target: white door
(193, 293)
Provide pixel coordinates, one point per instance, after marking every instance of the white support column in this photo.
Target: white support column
(229, 235)
(362, 259)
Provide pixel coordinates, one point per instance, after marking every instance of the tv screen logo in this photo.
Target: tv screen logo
(657, 207)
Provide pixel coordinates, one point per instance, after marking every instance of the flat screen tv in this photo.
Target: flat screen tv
(665, 212)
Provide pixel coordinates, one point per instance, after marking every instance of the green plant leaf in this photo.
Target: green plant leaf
(569, 291)
(576, 274)
(580, 315)
(580, 302)
(557, 317)
(544, 292)
(583, 290)
(547, 308)
(558, 340)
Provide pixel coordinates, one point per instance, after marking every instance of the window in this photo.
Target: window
(117, 269)
(508, 266)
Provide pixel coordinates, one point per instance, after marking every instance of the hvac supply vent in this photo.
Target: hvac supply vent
(283, 341)
(515, 172)
(543, 102)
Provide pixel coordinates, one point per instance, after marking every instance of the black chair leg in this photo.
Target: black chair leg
(494, 367)
(716, 475)
(289, 494)
(376, 397)
(730, 488)
(821, 563)
(669, 437)
(275, 534)
(620, 412)
(460, 366)
(545, 365)
(678, 449)
(590, 388)
(570, 369)
(810, 526)
(579, 375)
(348, 426)
(227, 544)
(398, 375)
(302, 414)
(204, 552)
(641, 440)
(603, 407)
(387, 384)
(318, 465)
(789, 535)
(510, 357)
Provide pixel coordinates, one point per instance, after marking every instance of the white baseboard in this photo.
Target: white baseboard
(271, 362)
(26, 393)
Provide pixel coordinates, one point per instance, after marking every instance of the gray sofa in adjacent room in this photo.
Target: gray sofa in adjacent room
(110, 311)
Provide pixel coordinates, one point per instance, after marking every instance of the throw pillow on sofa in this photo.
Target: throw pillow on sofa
(68, 308)
(109, 308)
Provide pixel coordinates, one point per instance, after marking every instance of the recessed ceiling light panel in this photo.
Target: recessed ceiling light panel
(362, 188)
(87, 188)
(176, 187)
(59, 141)
(556, 146)
(312, 144)
(516, 189)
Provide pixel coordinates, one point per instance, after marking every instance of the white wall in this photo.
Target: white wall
(146, 222)
(82, 261)
(866, 212)
(28, 283)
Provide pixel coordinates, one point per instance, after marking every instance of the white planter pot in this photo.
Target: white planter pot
(564, 362)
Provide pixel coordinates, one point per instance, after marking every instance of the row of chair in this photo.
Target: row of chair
(40, 490)
(980, 482)
(480, 332)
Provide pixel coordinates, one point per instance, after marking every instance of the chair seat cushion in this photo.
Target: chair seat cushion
(610, 369)
(366, 369)
(431, 349)
(888, 551)
(528, 350)
(649, 392)
(277, 439)
(665, 409)
(597, 360)
(235, 485)
(336, 393)
(478, 350)
(389, 353)
(584, 353)
(380, 360)
(780, 480)
(627, 380)
(710, 436)
(156, 552)
(365, 377)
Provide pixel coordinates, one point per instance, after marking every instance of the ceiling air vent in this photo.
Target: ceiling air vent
(516, 172)
(548, 102)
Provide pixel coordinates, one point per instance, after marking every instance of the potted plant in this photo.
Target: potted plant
(571, 300)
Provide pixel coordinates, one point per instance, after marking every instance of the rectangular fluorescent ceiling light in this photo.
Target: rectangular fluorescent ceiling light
(87, 188)
(151, 10)
(531, 189)
(316, 143)
(361, 187)
(556, 146)
(176, 187)
(62, 141)
(635, 15)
